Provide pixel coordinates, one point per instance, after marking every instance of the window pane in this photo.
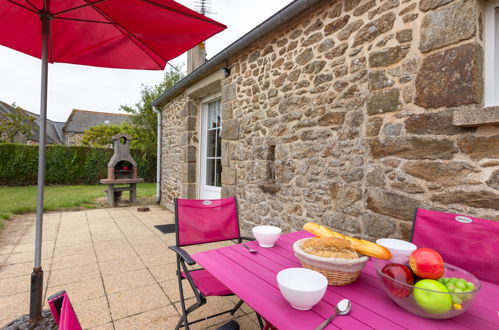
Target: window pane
(219, 116)
(219, 144)
(496, 57)
(212, 115)
(211, 143)
(218, 181)
(210, 172)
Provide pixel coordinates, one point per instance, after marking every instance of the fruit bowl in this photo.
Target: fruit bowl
(429, 299)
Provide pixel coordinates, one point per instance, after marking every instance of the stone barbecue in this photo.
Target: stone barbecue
(121, 170)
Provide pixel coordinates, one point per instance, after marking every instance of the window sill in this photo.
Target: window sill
(476, 117)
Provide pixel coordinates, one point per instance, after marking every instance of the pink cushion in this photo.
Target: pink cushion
(473, 246)
(207, 284)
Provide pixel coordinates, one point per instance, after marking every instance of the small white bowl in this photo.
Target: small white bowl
(266, 235)
(301, 287)
(400, 250)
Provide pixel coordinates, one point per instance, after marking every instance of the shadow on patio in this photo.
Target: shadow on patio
(114, 264)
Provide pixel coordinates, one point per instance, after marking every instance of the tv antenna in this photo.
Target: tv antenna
(203, 7)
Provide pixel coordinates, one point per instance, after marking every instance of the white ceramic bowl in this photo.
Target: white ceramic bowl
(302, 288)
(400, 250)
(266, 235)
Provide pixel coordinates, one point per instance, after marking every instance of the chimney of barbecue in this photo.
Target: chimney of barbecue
(119, 165)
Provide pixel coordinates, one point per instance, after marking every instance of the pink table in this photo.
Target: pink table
(252, 277)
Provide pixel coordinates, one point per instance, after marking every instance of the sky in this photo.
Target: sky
(98, 89)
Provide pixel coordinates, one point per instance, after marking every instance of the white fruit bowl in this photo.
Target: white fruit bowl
(399, 249)
(266, 235)
(432, 304)
(301, 287)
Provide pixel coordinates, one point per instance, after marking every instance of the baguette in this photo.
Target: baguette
(362, 246)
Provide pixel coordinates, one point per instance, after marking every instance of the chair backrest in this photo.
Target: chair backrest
(467, 242)
(63, 312)
(205, 221)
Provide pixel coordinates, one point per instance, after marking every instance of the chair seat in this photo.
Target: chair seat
(207, 284)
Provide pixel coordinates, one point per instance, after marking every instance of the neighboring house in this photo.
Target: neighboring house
(54, 128)
(349, 113)
(79, 120)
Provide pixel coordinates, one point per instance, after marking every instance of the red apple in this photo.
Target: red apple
(400, 273)
(427, 263)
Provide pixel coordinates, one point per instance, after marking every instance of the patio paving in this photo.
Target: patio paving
(114, 264)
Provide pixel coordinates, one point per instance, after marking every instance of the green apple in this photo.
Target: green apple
(432, 302)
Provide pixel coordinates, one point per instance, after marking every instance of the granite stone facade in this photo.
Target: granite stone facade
(72, 139)
(344, 116)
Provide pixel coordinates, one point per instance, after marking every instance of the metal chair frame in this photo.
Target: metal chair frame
(184, 259)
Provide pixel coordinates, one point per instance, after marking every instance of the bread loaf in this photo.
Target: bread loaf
(330, 247)
(361, 246)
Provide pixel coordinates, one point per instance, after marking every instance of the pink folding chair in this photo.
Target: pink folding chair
(467, 242)
(63, 312)
(200, 222)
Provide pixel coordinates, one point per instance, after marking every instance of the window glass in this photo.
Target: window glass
(214, 114)
(219, 143)
(496, 57)
(491, 53)
(213, 144)
(210, 172)
(218, 173)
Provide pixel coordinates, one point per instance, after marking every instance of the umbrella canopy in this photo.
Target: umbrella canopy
(125, 34)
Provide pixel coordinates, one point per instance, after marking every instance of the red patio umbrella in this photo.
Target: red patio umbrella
(126, 34)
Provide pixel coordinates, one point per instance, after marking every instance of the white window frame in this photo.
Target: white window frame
(202, 148)
(491, 53)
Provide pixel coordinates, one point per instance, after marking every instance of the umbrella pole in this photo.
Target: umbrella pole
(35, 308)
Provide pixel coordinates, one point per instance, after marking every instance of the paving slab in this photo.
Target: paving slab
(120, 282)
(115, 265)
(94, 312)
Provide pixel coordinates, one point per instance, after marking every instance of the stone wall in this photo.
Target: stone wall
(179, 165)
(72, 139)
(345, 117)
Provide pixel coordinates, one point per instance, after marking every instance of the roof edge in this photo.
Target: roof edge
(68, 120)
(101, 112)
(282, 16)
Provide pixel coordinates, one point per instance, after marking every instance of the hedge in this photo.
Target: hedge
(65, 165)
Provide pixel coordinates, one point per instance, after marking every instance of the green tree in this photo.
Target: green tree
(143, 118)
(100, 135)
(14, 123)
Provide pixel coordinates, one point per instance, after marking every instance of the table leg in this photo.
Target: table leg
(133, 193)
(110, 194)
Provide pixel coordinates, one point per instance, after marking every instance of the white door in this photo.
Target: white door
(211, 153)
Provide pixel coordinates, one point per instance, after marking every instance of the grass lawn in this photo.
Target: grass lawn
(16, 200)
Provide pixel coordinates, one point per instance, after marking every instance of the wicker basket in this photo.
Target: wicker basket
(338, 271)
